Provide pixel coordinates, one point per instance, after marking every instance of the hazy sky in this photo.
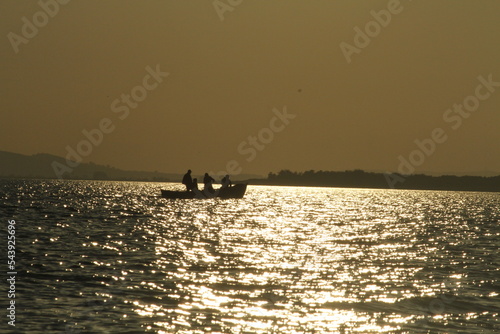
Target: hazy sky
(348, 100)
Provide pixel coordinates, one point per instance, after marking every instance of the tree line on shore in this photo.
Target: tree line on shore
(362, 179)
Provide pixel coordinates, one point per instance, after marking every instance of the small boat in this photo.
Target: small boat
(235, 191)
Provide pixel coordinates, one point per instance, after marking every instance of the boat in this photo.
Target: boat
(235, 191)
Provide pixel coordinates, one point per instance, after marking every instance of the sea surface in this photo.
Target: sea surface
(115, 257)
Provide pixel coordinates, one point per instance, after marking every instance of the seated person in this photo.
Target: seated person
(226, 182)
(207, 181)
(195, 185)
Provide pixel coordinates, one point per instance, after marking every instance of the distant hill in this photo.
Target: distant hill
(40, 166)
(362, 179)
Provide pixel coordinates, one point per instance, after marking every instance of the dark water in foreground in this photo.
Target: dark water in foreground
(114, 257)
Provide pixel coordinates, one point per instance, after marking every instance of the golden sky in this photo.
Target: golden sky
(262, 85)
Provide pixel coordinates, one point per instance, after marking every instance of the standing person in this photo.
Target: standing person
(207, 181)
(187, 180)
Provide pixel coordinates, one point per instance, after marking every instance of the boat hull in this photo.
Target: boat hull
(236, 191)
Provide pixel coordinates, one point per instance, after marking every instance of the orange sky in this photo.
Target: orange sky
(353, 101)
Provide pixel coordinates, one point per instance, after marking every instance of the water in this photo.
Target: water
(114, 257)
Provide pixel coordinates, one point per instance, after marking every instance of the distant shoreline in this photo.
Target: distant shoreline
(40, 166)
(264, 182)
(348, 179)
(361, 179)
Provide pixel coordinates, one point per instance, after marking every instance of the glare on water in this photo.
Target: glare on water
(281, 260)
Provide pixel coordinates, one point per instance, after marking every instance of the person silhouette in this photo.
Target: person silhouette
(226, 182)
(187, 180)
(207, 181)
(196, 190)
(195, 185)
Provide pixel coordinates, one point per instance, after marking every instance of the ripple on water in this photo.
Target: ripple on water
(101, 255)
